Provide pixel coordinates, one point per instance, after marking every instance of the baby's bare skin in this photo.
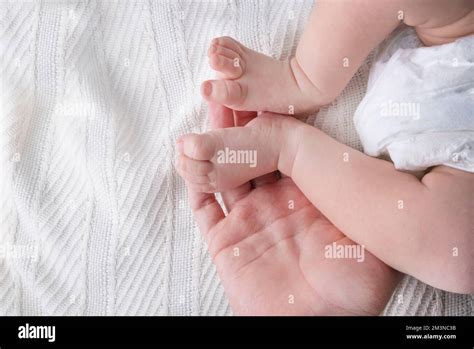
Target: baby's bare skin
(339, 36)
(418, 240)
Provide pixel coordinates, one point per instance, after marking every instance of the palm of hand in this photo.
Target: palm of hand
(269, 252)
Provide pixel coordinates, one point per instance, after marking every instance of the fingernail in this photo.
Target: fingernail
(207, 88)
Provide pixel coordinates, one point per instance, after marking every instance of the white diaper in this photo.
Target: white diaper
(419, 106)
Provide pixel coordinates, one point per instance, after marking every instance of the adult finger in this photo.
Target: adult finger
(220, 116)
(206, 210)
(232, 196)
(242, 118)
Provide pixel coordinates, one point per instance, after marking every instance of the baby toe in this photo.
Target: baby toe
(230, 68)
(226, 92)
(229, 43)
(216, 49)
(202, 188)
(195, 179)
(196, 167)
(198, 146)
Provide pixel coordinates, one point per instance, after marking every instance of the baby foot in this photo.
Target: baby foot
(223, 159)
(251, 81)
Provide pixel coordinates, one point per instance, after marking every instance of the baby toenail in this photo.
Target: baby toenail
(207, 88)
(213, 48)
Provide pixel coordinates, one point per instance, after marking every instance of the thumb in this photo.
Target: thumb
(206, 210)
(220, 116)
(241, 118)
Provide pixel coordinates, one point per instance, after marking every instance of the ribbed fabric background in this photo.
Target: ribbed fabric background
(92, 96)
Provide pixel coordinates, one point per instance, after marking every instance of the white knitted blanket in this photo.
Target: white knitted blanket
(93, 218)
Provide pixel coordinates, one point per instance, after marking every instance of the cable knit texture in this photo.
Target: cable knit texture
(93, 218)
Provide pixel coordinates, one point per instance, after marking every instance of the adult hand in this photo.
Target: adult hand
(270, 250)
